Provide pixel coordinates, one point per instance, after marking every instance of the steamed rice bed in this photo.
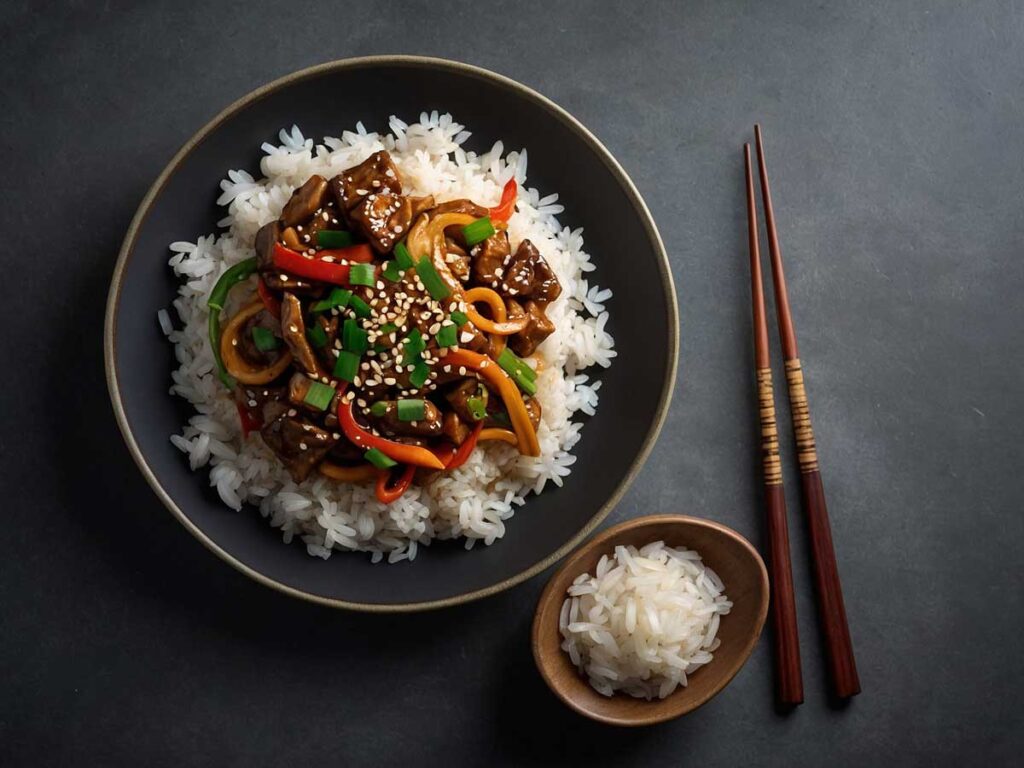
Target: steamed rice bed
(472, 502)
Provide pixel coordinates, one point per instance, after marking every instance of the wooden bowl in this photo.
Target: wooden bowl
(723, 550)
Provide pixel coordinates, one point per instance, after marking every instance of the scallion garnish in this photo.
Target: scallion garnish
(347, 366)
(432, 281)
(476, 407)
(319, 395)
(420, 374)
(391, 271)
(379, 408)
(522, 374)
(414, 344)
(402, 256)
(478, 231)
(448, 336)
(264, 339)
(459, 318)
(379, 459)
(332, 238)
(353, 338)
(362, 274)
(411, 410)
(360, 307)
(317, 336)
(339, 297)
(388, 328)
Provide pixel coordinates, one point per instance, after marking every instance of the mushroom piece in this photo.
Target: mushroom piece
(304, 201)
(293, 329)
(384, 218)
(266, 237)
(529, 276)
(375, 175)
(299, 443)
(489, 258)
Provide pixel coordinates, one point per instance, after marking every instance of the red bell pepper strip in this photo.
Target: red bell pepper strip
(250, 422)
(462, 455)
(389, 493)
(504, 209)
(360, 253)
(400, 452)
(270, 301)
(316, 268)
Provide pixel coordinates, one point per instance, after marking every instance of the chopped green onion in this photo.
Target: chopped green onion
(317, 336)
(402, 256)
(478, 231)
(435, 286)
(420, 374)
(459, 318)
(360, 307)
(319, 395)
(391, 271)
(339, 297)
(347, 366)
(413, 346)
(379, 408)
(353, 338)
(264, 339)
(476, 407)
(522, 374)
(333, 238)
(411, 410)
(362, 274)
(448, 336)
(378, 458)
(388, 328)
(378, 348)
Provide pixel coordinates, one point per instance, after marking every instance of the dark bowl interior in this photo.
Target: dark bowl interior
(564, 158)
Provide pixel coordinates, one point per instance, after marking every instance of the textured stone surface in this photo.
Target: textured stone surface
(894, 137)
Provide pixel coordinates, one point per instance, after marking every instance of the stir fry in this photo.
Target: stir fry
(389, 335)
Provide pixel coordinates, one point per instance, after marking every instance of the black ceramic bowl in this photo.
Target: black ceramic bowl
(564, 158)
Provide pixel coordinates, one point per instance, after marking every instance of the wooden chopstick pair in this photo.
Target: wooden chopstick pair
(832, 614)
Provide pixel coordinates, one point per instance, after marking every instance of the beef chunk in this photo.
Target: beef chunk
(489, 259)
(298, 443)
(375, 175)
(537, 329)
(385, 218)
(305, 201)
(429, 425)
(529, 276)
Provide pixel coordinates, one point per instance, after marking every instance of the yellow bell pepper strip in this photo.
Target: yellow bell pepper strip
(493, 433)
(362, 473)
(493, 374)
(233, 362)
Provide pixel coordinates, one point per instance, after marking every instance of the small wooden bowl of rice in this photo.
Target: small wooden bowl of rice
(650, 619)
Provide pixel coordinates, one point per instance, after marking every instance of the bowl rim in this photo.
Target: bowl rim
(501, 81)
(602, 539)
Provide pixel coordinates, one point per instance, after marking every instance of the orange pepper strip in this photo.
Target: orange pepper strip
(497, 378)
(503, 211)
(363, 473)
(493, 433)
(233, 361)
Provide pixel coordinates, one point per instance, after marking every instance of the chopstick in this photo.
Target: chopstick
(832, 613)
(789, 686)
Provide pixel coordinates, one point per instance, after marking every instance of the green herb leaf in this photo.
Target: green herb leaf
(317, 336)
(448, 336)
(459, 318)
(420, 374)
(339, 297)
(360, 307)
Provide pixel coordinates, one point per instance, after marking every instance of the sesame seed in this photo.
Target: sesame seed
(462, 370)
(390, 381)
(252, 403)
(292, 412)
(303, 446)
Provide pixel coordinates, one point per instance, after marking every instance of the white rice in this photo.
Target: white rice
(473, 502)
(644, 621)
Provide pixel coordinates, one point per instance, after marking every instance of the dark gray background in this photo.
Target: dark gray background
(895, 139)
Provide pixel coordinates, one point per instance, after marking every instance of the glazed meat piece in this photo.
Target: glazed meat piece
(489, 260)
(529, 276)
(323, 219)
(304, 201)
(461, 393)
(247, 347)
(428, 426)
(537, 329)
(273, 277)
(376, 174)
(299, 443)
(384, 218)
(267, 235)
(454, 428)
(293, 329)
